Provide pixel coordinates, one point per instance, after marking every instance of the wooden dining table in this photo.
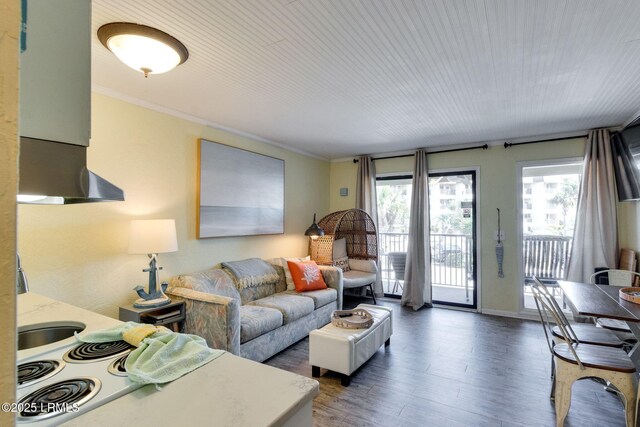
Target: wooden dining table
(586, 299)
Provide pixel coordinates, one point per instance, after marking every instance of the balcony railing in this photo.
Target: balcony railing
(452, 260)
(546, 257)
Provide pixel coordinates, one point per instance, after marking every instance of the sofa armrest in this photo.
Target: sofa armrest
(333, 278)
(367, 265)
(215, 318)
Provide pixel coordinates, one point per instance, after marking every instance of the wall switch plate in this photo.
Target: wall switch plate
(497, 237)
(344, 191)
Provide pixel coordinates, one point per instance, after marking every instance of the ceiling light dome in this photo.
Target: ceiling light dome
(143, 48)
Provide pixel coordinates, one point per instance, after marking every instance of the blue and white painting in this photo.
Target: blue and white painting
(241, 192)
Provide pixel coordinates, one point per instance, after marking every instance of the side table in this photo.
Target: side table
(171, 315)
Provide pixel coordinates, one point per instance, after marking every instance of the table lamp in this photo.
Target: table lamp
(151, 237)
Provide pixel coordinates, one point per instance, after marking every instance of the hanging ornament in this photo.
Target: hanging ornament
(499, 249)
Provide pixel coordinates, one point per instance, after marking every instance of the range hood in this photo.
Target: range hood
(55, 106)
(56, 173)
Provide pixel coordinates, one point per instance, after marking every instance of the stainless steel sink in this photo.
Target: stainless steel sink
(46, 333)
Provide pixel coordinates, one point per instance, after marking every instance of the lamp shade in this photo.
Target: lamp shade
(152, 236)
(314, 231)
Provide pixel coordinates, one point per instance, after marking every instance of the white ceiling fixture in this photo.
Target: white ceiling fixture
(341, 78)
(143, 48)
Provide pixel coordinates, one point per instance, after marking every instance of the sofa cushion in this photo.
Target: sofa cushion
(355, 278)
(281, 286)
(256, 321)
(292, 307)
(320, 297)
(251, 294)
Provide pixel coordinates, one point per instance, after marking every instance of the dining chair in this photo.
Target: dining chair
(579, 333)
(621, 278)
(398, 261)
(575, 360)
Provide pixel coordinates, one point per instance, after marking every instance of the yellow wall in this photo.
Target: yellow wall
(9, 27)
(78, 253)
(629, 225)
(497, 189)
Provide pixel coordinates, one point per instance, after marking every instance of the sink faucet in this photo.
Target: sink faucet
(21, 279)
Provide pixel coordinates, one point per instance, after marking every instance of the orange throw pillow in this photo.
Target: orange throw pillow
(306, 276)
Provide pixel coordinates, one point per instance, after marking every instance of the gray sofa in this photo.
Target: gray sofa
(254, 322)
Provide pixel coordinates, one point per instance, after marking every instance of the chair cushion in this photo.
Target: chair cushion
(292, 307)
(320, 297)
(356, 279)
(256, 321)
(340, 257)
(342, 263)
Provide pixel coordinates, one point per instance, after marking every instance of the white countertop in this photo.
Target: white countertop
(228, 391)
(36, 309)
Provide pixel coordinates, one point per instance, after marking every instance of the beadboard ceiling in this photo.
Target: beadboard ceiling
(345, 77)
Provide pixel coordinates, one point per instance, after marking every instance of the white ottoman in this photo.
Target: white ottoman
(345, 350)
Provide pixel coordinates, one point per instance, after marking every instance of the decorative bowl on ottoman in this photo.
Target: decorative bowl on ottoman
(352, 319)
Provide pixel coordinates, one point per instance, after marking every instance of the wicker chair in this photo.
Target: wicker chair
(357, 228)
(359, 232)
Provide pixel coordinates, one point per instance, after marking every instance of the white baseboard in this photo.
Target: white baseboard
(515, 315)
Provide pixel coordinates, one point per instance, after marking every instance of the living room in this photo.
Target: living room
(78, 253)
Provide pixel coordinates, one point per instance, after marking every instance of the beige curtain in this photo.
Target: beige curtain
(417, 274)
(595, 237)
(366, 200)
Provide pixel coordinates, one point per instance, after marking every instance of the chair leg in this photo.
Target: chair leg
(552, 395)
(627, 387)
(567, 374)
(396, 284)
(372, 293)
(563, 383)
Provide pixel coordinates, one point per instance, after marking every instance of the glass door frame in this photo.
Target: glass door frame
(519, 225)
(475, 231)
(393, 176)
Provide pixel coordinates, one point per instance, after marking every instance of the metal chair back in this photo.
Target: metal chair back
(621, 278)
(549, 313)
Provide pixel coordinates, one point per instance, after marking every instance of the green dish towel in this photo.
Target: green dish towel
(161, 357)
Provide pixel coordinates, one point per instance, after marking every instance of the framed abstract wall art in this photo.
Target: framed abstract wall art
(240, 193)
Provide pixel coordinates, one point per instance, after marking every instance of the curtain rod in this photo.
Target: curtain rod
(484, 147)
(511, 144)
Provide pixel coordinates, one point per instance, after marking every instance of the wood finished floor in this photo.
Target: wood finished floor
(452, 368)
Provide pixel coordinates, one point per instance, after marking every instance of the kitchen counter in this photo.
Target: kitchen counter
(228, 391)
(36, 309)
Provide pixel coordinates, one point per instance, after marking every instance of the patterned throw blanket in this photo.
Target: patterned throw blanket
(251, 272)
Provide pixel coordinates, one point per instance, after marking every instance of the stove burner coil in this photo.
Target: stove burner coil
(117, 366)
(38, 370)
(90, 352)
(58, 398)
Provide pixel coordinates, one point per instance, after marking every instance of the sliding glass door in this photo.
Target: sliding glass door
(452, 212)
(452, 201)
